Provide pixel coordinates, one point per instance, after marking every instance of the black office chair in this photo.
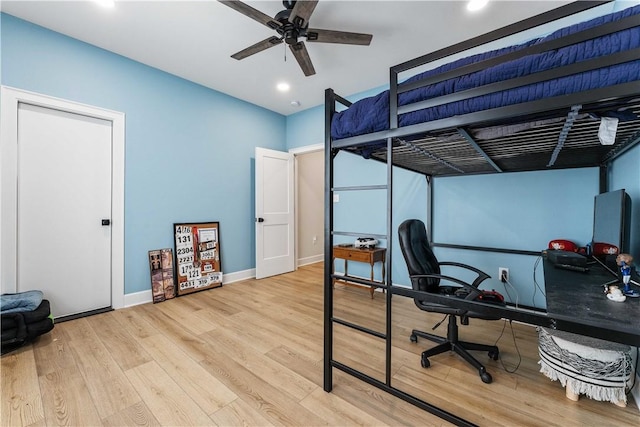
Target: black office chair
(424, 270)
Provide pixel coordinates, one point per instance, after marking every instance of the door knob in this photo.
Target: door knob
(260, 219)
(106, 222)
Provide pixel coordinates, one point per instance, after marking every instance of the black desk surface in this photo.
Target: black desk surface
(577, 300)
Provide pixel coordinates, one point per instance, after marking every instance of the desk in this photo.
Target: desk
(351, 253)
(579, 300)
(575, 303)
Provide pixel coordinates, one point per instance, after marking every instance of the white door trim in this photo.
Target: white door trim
(10, 99)
(307, 149)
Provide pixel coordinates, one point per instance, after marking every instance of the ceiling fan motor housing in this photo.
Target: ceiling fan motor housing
(290, 31)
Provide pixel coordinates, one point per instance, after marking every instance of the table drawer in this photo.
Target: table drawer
(350, 254)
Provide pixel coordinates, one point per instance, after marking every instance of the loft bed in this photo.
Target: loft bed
(538, 105)
(550, 92)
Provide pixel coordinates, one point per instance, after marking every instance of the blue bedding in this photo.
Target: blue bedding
(372, 114)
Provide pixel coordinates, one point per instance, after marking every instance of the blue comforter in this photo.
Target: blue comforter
(372, 114)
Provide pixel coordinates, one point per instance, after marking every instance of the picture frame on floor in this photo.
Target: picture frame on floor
(197, 256)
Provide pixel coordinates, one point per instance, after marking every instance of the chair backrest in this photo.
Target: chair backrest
(418, 255)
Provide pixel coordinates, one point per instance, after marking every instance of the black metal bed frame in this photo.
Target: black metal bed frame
(605, 98)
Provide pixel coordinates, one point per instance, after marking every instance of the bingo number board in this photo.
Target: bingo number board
(197, 256)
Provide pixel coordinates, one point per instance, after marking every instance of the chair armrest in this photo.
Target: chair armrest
(482, 276)
(473, 290)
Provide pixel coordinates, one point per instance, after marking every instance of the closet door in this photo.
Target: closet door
(64, 208)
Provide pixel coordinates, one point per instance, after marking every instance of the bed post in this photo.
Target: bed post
(393, 98)
(604, 179)
(329, 110)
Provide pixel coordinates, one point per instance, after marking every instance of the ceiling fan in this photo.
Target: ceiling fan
(291, 24)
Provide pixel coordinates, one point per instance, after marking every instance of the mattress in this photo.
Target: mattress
(372, 114)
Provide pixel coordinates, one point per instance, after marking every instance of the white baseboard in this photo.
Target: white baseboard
(310, 260)
(137, 298)
(238, 276)
(143, 297)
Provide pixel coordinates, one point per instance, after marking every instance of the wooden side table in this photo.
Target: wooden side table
(351, 253)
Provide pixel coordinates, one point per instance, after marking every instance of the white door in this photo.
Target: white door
(275, 251)
(64, 208)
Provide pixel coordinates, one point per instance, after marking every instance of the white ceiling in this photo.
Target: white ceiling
(194, 40)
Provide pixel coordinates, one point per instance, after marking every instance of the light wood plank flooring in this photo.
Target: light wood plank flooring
(250, 354)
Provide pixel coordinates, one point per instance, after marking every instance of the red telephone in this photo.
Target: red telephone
(604, 249)
(563, 245)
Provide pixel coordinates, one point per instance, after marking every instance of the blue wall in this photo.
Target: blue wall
(189, 149)
(521, 211)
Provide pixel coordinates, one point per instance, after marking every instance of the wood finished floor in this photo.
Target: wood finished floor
(250, 354)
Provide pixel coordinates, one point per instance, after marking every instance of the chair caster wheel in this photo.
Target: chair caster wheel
(424, 361)
(413, 338)
(494, 354)
(486, 377)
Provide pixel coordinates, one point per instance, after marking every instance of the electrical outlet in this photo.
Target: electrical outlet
(503, 274)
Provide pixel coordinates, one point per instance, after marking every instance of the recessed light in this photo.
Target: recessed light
(475, 5)
(283, 87)
(107, 4)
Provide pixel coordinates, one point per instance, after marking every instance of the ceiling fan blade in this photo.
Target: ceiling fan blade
(258, 47)
(328, 36)
(301, 54)
(252, 13)
(302, 11)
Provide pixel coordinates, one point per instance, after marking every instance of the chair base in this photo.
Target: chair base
(462, 348)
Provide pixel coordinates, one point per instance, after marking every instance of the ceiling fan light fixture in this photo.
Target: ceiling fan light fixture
(290, 36)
